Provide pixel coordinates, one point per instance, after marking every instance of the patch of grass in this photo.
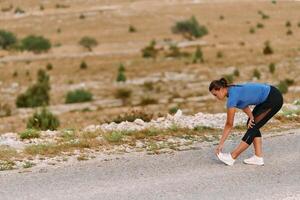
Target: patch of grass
(272, 68)
(6, 165)
(29, 134)
(256, 73)
(43, 149)
(28, 164)
(78, 96)
(82, 158)
(113, 137)
(150, 51)
(268, 49)
(203, 128)
(43, 120)
(6, 153)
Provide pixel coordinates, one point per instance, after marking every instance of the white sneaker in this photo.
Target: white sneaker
(254, 160)
(226, 158)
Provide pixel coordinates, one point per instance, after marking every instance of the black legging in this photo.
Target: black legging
(262, 113)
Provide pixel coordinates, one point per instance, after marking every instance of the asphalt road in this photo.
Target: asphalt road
(193, 174)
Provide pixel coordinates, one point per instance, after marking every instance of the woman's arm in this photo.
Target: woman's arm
(227, 128)
(248, 111)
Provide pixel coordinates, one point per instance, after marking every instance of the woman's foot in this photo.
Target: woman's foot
(226, 158)
(254, 160)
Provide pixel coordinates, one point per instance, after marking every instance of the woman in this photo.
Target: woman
(268, 101)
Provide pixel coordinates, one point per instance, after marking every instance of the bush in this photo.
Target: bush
(173, 110)
(79, 95)
(219, 54)
(36, 44)
(175, 52)
(267, 49)
(283, 87)
(18, 10)
(221, 17)
(190, 28)
(289, 32)
(252, 30)
(7, 39)
(148, 85)
(123, 93)
(289, 82)
(259, 25)
(236, 73)
(37, 94)
(198, 55)
(133, 115)
(83, 65)
(150, 51)
(256, 73)
(29, 133)
(147, 101)
(229, 78)
(288, 24)
(49, 66)
(272, 68)
(121, 77)
(43, 120)
(113, 137)
(88, 42)
(131, 29)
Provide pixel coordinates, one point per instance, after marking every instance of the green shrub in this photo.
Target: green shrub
(18, 10)
(256, 73)
(49, 66)
(79, 95)
(88, 42)
(267, 49)
(236, 73)
(252, 30)
(43, 120)
(113, 137)
(288, 24)
(29, 133)
(133, 115)
(283, 87)
(229, 78)
(190, 28)
(289, 82)
(259, 25)
(131, 29)
(150, 51)
(7, 39)
(83, 65)
(37, 94)
(148, 100)
(272, 68)
(123, 94)
(198, 55)
(148, 85)
(219, 54)
(36, 44)
(173, 110)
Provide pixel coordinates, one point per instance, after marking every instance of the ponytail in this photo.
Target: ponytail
(218, 84)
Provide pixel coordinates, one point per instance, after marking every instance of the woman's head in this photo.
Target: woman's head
(219, 88)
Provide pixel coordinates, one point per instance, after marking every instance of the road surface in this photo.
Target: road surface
(192, 174)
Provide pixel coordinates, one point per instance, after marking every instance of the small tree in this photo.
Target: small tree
(121, 77)
(190, 28)
(37, 94)
(43, 120)
(256, 73)
(37, 44)
(267, 49)
(88, 42)
(7, 39)
(83, 65)
(272, 68)
(198, 55)
(150, 51)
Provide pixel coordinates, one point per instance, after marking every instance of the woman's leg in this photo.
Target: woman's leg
(257, 146)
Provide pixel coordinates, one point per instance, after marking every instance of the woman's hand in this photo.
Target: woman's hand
(251, 123)
(219, 148)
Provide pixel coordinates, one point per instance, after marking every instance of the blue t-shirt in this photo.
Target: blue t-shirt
(242, 95)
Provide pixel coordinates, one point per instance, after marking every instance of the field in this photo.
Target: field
(165, 83)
